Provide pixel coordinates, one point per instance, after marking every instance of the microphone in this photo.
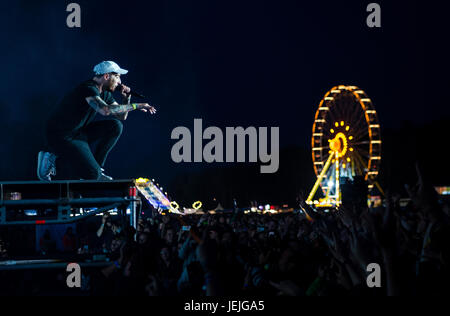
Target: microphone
(135, 94)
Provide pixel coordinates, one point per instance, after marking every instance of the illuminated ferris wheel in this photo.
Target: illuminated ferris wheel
(346, 142)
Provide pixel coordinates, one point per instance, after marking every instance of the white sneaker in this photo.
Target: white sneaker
(104, 177)
(46, 166)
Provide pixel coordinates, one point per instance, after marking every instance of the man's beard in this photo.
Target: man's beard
(110, 87)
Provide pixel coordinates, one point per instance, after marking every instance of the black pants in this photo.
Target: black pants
(76, 160)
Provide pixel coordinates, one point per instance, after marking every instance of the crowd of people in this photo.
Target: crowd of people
(305, 253)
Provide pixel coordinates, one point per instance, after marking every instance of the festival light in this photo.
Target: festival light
(197, 205)
(142, 181)
(174, 206)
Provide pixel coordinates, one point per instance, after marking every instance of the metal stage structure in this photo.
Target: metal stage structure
(64, 202)
(59, 202)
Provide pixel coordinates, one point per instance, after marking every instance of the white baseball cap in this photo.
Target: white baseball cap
(107, 67)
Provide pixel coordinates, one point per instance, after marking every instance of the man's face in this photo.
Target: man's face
(142, 239)
(169, 235)
(271, 226)
(112, 82)
(165, 254)
(115, 244)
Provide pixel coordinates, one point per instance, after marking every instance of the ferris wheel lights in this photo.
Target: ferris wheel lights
(340, 142)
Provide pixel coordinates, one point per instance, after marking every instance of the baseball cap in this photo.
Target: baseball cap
(107, 67)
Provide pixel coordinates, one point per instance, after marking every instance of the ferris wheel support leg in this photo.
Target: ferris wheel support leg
(365, 166)
(379, 187)
(319, 179)
(338, 191)
(359, 163)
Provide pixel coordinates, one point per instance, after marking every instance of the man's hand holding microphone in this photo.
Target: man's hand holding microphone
(144, 107)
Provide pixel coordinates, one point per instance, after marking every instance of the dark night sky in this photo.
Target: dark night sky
(232, 63)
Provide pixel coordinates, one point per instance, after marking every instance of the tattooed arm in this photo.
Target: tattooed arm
(117, 109)
(123, 116)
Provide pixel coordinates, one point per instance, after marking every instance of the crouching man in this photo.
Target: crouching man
(71, 130)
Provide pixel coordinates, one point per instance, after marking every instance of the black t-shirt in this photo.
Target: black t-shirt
(73, 112)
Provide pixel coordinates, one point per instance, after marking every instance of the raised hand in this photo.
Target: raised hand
(348, 215)
(145, 107)
(337, 249)
(124, 90)
(360, 248)
(383, 227)
(286, 287)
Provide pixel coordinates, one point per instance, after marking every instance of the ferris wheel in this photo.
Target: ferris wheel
(346, 143)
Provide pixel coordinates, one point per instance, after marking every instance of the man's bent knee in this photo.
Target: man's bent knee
(116, 127)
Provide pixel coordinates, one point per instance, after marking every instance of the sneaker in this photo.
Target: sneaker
(104, 177)
(46, 166)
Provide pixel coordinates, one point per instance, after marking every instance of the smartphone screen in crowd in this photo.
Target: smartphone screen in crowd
(186, 228)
